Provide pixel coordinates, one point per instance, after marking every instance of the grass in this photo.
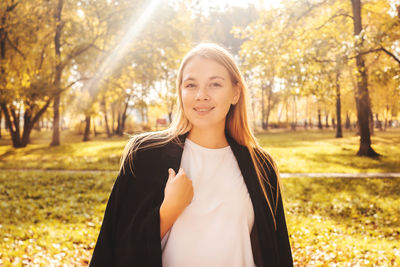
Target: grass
(50, 219)
(320, 152)
(343, 222)
(100, 154)
(295, 152)
(53, 218)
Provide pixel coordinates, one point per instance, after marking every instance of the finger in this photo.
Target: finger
(181, 171)
(171, 173)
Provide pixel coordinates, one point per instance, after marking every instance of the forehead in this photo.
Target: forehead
(199, 68)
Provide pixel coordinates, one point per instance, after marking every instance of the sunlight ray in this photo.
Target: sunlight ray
(134, 28)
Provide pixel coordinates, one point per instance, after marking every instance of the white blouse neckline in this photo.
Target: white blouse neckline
(198, 147)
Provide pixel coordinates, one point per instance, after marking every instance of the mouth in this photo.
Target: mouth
(203, 110)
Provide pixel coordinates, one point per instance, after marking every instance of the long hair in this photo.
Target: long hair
(236, 124)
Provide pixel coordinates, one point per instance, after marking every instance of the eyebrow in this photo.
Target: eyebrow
(211, 78)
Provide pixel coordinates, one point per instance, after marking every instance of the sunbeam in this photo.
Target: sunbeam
(134, 28)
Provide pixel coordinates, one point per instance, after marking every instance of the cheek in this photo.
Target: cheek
(226, 100)
(186, 101)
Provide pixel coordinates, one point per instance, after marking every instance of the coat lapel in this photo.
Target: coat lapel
(172, 154)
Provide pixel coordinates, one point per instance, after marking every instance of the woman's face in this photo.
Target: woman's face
(207, 93)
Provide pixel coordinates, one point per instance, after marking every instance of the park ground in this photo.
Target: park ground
(53, 217)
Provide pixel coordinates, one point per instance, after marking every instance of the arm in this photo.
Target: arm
(168, 216)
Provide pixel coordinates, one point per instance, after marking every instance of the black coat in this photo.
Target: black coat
(130, 232)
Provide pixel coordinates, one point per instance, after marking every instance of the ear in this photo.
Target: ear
(236, 94)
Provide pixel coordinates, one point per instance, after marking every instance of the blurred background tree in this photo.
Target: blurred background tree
(109, 67)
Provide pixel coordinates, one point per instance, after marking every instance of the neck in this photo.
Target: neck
(208, 138)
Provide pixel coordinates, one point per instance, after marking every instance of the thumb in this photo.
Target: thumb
(171, 173)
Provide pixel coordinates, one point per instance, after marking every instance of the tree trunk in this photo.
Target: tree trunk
(123, 119)
(3, 40)
(1, 118)
(387, 115)
(378, 122)
(104, 104)
(363, 107)
(339, 132)
(94, 127)
(348, 122)
(269, 106)
(28, 126)
(319, 119)
(263, 107)
(57, 78)
(326, 119)
(117, 131)
(169, 99)
(287, 113)
(371, 119)
(86, 134)
(123, 116)
(56, 121)
(29, 121)
(146, 114)
(2, 55)
(10, 125)
(114, 131)
(293, 124)
(106, 124)
(3, 36)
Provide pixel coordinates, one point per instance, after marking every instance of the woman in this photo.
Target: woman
(202, 192)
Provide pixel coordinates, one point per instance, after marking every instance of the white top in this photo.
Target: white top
(214, 229)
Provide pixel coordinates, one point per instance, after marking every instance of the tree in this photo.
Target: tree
(25, 87)
(260, 58)
(362, 98)
(68, 45)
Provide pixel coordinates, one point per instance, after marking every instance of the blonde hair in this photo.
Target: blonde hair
(237, 124)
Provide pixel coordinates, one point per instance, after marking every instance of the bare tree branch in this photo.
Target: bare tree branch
(331, 18)
(74, 82)
(15, 47)
(391, 54)
(378, 50)
(78, 52)
(10, 8)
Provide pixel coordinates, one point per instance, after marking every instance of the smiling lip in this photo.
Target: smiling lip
(203, 110)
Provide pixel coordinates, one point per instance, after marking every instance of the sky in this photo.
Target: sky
(241, 3)
(221, 4)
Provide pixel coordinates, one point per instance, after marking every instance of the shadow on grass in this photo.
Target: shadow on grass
(385, 163)
(368, 206)
(39, 150)
(38, 197)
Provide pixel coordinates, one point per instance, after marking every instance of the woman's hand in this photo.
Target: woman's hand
(178, 194)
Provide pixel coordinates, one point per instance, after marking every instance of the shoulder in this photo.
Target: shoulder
(145, 148)
(263, 155)
(268, 165)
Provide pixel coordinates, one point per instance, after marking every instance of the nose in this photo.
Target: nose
(202, 93)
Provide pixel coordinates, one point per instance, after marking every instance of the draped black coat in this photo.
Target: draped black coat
(130, 232)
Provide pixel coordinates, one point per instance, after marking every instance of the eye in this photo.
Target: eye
(216, 85)
(190, 85)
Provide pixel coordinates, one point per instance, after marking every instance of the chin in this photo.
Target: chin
(204, 125)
